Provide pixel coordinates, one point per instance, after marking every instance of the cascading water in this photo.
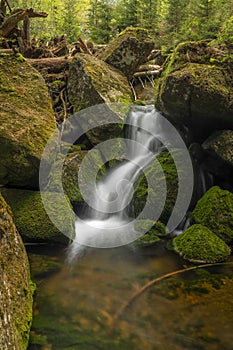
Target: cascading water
(107, 220)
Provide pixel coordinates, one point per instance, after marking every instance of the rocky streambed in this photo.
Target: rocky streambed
(194, 92)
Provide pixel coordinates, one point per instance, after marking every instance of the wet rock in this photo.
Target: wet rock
(15, 287)
(200, 245)
(220, 147)
(215, 211)
(155, 231)
(70, 170)
(144, 193)
(195, 91)
(26, 122)
(32, 221)
(129, 50)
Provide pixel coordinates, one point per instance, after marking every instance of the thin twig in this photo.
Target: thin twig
(144, 288)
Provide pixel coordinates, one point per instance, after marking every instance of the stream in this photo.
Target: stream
(75, 304)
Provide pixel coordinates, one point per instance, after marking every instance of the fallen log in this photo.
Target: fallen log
(12, 20)
(50, 65)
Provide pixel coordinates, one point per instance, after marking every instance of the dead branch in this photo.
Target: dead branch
(148, 73)
(84, 47)
(144, 288)
(12, 20)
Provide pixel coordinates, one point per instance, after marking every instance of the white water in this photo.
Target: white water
(108, 221)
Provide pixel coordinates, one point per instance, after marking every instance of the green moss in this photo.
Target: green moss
(157, 178)
(24, 100)
(20, 58)
(215, 210)
(153, 232)
(199, 244)
(32, 220)
(16, 289)
(70, 171)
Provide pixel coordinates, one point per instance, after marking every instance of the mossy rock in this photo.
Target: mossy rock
(130, 49)
(16, 288)
(219, 146)
(143, 192)
(32, 221)
(200, 245)
(26, 122)
(155, 231)
(70, 169)
(195, 92)
(215, 210)
(92, 81)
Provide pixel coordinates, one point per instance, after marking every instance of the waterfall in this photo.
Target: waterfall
(107, 220)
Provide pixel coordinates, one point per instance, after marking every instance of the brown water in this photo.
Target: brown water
(75, 304)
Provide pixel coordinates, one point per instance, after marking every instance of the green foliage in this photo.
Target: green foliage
(170, 21)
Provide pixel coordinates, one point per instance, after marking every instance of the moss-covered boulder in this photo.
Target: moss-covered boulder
(31, 219)
(155, 231)
(215, 211)
(219, 146)
(16, 288)
(153, 195)
(199, 244)
(70, 170)
(196, 92)
(130, 49)
(26, 122)
(92, 82)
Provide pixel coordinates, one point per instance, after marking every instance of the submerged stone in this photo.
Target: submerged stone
(200, 245)
(33, 222)
(215, 210)
(129, 50)
(26, 122)
(16, 288)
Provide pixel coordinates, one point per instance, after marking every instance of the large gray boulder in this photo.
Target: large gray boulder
(15, 287)
(195, 91)
(129, 50)
(26, 122)
(92, 81)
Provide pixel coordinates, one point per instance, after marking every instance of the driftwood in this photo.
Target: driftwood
(10, 22)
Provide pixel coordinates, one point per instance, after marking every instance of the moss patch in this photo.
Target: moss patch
(199, 244)
(16, 288)
(215, 210)
(153, 234)
(31, 219)
(26, 122)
